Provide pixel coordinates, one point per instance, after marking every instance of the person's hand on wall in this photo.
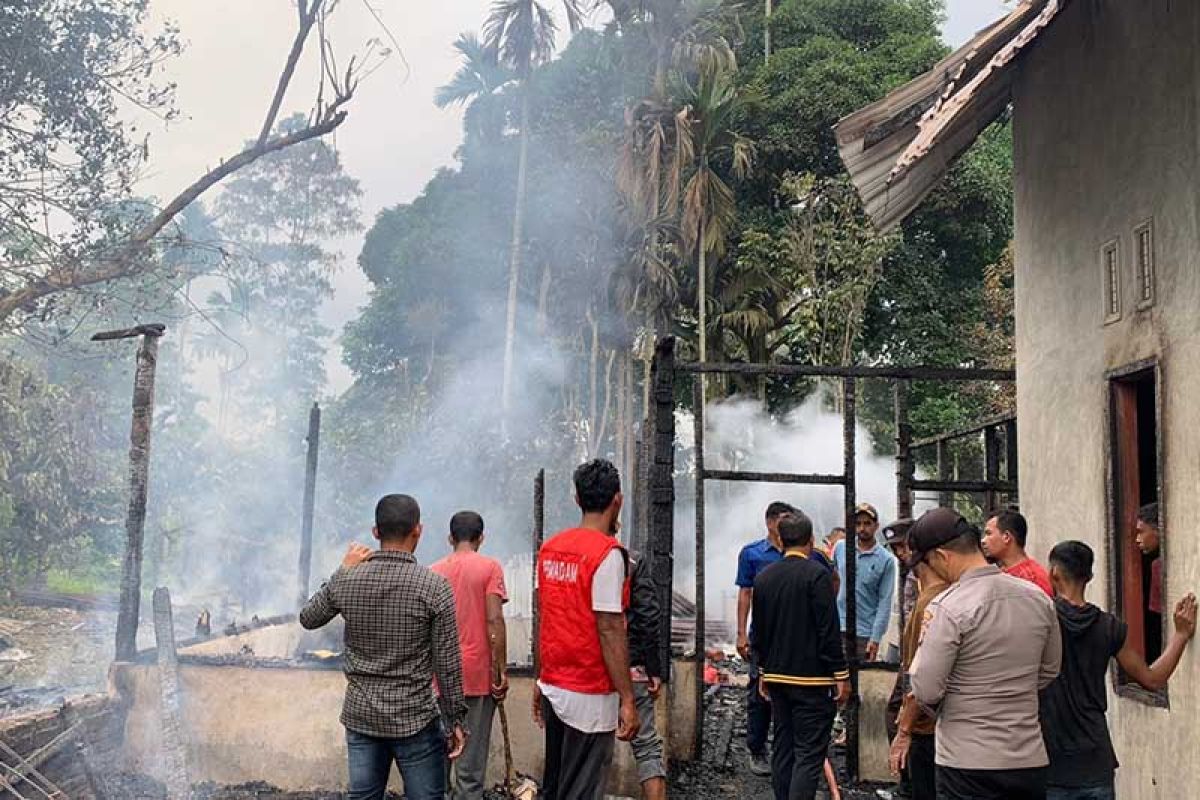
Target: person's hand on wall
(357, 554)
(1185, 616)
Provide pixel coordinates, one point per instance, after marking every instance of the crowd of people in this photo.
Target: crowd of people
(1000, 691)
(426, 653)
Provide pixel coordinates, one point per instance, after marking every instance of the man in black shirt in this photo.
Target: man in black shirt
(1082, 760)
(798, 645)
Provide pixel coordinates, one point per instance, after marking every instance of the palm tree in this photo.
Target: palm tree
(477, 85)
(521, 35)
(707, 138)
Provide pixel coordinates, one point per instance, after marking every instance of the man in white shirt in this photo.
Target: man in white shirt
(584, 688)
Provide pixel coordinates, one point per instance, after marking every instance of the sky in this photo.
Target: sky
(395, 138)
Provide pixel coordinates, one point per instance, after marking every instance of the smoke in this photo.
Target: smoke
(741, 435)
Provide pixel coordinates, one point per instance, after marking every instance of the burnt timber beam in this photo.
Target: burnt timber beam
(904, 461)
(310, 496)
(701, 643)
(890, 373)
(539, 536)
(962, 433)
(951, 486)
(850, 489)
(772, 477)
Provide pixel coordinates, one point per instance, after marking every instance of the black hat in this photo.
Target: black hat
(934, 529)
(897, 532)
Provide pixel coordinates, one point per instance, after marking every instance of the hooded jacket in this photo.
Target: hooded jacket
(1073, 707)
(644, 617)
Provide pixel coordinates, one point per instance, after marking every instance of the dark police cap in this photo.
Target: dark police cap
(934, 529)
(897, 532)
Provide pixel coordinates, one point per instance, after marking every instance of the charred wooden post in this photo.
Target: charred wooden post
(660, 518)
(310, 498)
(1010, 454)
(139, 480)
(991, 465)
(174, 746)
(945, 498)
(539, 535)
(701, 648)
(904, 461)
(849, 426)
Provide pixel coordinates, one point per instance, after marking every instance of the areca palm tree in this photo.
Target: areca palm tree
(521, 35)
(477, 85)
(708, 138)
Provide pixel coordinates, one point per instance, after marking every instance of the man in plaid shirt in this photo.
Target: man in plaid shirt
(401, 631)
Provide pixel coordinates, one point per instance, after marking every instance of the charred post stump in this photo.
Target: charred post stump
(174, 745)
(310, 499)
(139, 480)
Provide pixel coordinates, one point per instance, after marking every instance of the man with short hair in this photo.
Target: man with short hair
(1073, 707)
(875, 583)
(797, 643)
(991, 643)
(647, 672)
(479, 598)
(836, 535)
(400, 634)
(1148, 537)
(752, 560)
(584, 692)
(912, 751)
(1004, 538)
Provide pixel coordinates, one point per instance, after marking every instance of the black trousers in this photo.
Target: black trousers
(922, 771)
(576, 762)
(991, 784)
(803, 721)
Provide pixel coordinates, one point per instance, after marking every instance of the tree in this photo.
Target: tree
(521, 34)
(477, 85)
(709, 210)
(69, 159)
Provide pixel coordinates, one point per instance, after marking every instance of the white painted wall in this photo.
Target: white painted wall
(1106, 136)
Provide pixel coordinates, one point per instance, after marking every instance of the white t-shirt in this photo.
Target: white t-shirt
(594, 713)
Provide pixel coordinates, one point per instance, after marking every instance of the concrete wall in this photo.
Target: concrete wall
(1106, 137)
(280, 725)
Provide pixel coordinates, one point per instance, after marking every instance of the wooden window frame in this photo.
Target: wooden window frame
(1124, 565)
(1148, 269)
(1110, 281)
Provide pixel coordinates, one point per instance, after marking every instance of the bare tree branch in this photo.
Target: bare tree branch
(307, 19)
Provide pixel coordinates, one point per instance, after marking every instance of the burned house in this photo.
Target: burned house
(1105, 106)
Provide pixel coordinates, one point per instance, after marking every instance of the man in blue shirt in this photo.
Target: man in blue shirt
(753, 559)
(875, 583)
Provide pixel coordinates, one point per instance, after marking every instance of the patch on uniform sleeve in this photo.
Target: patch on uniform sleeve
(926, 618)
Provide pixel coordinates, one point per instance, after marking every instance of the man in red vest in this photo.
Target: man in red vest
(584, 692)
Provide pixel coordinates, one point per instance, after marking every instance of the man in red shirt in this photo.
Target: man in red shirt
(1004, 545)
(584, 692)
(479, 598)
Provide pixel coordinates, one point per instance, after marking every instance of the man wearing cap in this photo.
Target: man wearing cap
(912, 738)
(875, 583)
(991, 642)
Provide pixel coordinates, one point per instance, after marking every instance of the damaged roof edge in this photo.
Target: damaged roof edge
(898, 149)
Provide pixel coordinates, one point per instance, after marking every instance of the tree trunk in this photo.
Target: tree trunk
(767, 34)
(702, 295)
(514, 257)
(139, 479)
(593, 367)
(543, 313)
(310, 496)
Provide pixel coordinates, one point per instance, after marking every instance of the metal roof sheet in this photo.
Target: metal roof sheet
(898, 148)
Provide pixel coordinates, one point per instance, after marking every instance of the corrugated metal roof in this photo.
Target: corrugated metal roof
(897, 149)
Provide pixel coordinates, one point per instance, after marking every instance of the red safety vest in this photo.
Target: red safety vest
(569, 640)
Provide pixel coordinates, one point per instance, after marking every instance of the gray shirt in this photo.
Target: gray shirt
(991, 642)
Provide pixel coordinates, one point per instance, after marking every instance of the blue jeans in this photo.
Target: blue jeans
(758, 716)
(1090, 793)
(420, 757)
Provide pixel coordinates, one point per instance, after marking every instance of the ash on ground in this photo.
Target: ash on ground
(725, 768)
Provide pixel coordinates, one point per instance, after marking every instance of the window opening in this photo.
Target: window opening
(1138, 574)
(1110, 260)
(1144, 237)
